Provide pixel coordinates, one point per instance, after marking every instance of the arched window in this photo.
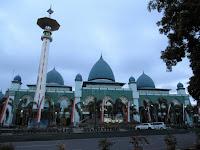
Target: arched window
(124, 99)
(28, 99)
(64, 102)
(48, 100)
(106, 100)
(176, 102)
(89, 98)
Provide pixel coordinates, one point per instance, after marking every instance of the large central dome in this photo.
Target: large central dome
(101, 70)
(145, 82)
(54, 77)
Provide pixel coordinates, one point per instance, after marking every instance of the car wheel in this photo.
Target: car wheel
(161, 128)
(149, 128)
(138, 129)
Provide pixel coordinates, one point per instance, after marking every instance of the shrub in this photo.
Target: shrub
(170, 139)
(104, 144)
(135, 140)
(60, 145)
(7, 147)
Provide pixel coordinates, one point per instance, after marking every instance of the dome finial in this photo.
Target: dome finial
(101, 56)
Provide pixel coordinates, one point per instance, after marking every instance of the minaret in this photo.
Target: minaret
(48, 25)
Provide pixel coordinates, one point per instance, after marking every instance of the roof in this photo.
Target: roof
(54, 76)
(101, 70)
(145, 82)
(17, 78)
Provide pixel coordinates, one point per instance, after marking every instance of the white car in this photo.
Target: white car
(159, 125)
(145, 126)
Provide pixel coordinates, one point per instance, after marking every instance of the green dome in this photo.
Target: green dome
(17, 78)
(145, 82)
(131, 79)
(54, 77)
(180, 85)
(101, 70)
(78, 77)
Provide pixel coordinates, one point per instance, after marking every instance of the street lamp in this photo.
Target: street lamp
(53, 111)
(56, 116)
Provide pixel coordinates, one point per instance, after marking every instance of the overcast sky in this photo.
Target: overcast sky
(124, 31)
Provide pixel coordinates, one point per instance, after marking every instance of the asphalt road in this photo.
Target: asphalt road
(185, 141)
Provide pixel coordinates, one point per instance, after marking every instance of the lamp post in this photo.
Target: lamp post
(53, 111)
(55, 116)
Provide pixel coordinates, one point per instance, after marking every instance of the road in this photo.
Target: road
(185, 141)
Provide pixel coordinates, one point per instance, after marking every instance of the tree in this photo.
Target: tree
(180, 22)
(94, 108)
(119, 107)
(133, 111)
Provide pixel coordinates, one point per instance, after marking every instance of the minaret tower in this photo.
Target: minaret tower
(48, 25)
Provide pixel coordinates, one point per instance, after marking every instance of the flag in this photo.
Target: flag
(128, 112)
(4, 110)
(149, 115)
(102, 111)
(39, 111)
(73, 112)
(168, 110)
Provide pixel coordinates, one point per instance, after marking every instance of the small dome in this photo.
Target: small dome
(78, 77)
(54, 77)
(180, 85)
(101, 70)
(131, 79)
(17, 78)
(1, 95)
(145, 82)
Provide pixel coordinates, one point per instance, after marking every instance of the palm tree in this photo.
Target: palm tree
(119, 107)
(163, 108)
(30, 111)
(154, 111)
(176, 113)
(94, 108)
(49, 111)
(133, 111)
(68, 109)
(143, 114)
(190, 111)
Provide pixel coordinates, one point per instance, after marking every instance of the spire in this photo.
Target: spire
(50, 11)
(101, 56)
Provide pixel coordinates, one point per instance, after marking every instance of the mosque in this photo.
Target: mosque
(50, 90)
(101, 85)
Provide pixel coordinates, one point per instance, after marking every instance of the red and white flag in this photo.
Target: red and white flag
(149, 115)
(168, 110)
(39, 111)
(73, 111)
(4, 110)
(102, 111)
(128, 112)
